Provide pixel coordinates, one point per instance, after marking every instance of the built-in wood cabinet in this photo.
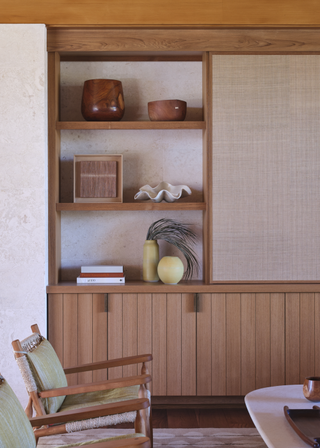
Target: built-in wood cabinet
(209, 339)
(203, 345)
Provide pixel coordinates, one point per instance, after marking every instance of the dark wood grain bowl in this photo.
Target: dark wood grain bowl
(102, 100)
(311, 388)
(167, 110)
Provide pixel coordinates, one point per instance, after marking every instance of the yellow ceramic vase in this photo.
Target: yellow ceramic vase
(170, 270)
(150, 261)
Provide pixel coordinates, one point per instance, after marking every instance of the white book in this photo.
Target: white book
(109, 280)
(101, 268)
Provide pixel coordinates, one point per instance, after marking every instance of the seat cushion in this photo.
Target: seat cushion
(91, 442)
(76, 401)
(15, 428)
(48, 373)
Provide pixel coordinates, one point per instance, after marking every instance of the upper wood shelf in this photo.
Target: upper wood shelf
(129, 206)
(91, 125)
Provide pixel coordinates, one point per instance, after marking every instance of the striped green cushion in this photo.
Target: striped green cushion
(91, 442)
(87, 399)
(15, 428)
(48, 373)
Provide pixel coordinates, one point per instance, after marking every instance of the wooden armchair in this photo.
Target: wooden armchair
(49, 393)
(16, 430)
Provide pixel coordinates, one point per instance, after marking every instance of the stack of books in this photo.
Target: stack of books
(101, 274)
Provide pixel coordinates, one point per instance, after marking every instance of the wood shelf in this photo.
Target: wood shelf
(128, 125)
(192, 287)
(130, 206)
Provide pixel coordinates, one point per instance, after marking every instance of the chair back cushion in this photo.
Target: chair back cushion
(48, 373)
(15, 428)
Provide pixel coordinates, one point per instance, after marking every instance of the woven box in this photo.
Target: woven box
(98, 178)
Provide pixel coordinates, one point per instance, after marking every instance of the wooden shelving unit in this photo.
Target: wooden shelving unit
(213, 339)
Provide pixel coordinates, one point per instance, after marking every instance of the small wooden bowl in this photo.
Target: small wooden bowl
(102, 100)
(167, 110)
(311, 388)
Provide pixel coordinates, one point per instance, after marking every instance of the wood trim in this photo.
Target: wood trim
(54, 224)
(189, 287)
(224, 40)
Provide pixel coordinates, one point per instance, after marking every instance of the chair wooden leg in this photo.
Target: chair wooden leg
(143, 420)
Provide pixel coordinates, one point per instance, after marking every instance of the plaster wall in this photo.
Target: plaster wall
(23, 190)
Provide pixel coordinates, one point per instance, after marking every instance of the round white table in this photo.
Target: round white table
(265, 407)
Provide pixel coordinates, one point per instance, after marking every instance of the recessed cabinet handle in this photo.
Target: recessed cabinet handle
(106, 303)
(196, 302)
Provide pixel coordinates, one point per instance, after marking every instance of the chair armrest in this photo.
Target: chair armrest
(91, 412)
(93, 387)
(109, 363)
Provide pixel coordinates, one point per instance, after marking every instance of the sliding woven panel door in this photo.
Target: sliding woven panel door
(265, 167)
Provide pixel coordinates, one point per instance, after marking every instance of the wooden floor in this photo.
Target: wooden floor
(198, 418)
(201, 418)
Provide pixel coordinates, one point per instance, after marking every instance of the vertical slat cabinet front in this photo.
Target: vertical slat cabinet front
(263, 341)
(85, 335)
(301, 333)
(188, 342)
(145, 330)
(159, 344)
(130, 331)
(277, 339)
(204, 344)
(248, 343)
(233, 345)
(55, 323)
(70, 334)
(174, 346)
(99, 334)
(115, 331)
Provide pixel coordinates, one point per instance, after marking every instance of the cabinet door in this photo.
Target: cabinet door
(302, 336)
(240, 343)
(173, 344)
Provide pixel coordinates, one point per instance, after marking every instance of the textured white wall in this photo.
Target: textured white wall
(23, 189)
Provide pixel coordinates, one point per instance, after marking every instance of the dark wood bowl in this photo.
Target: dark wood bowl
(102, 100)
(311, 388)
(167, 110)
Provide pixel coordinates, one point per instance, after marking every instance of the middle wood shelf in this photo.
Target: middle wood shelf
(130, 206)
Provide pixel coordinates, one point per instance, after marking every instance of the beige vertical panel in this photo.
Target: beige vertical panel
(130, 331)
(55, 324)
(265, 157)
(248, 343)
(145, 330)
(99, 334)
(174, 346)
(317, 334)
(306, 330)
(115, 314)
(263, 341)
(233, 344)
(188, 359)
(218, 344)
(159, 344)
(204, 341)
(70, 334)
(84, 335)
(292, 338)
(277, 339)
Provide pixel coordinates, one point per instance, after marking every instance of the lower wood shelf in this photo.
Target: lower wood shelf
(192, 287)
